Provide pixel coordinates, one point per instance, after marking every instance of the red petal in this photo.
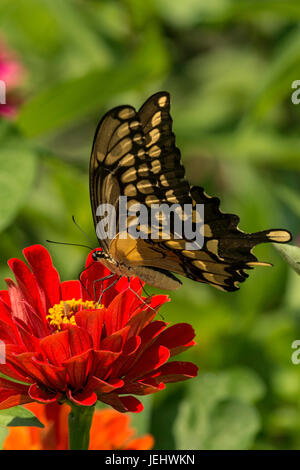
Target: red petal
(70, 290)
(85, 398)
(4, 296)
(46, 275)
(176, 371)
(56, 347)
(42, 396)
(31, 295)
(140, 320)
(151, 331)
(176, 335)
(151, 359)
(12, 394)
(116, 315)
(115, 341)
(30, 368)
(91, 321)
(30, 342)
(79, 339)
(9, 334)
(18, 305)
(123, 363)
(78, 368)
(181, 349)
(132, 404)
(142, 388)
(101, 386)
(123, 404)
(103, 363)
(55, 376)
(11, 368)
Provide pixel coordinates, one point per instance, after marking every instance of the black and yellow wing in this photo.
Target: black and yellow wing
(134, 154)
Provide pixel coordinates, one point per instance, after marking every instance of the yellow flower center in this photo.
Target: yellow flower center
(65, 311)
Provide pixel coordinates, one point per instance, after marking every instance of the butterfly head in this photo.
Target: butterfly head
(98, 255)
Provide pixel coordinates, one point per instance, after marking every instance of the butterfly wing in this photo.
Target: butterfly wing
(116, 145)
(134, 154)
(226, 253)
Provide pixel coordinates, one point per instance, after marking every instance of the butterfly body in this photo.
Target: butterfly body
(134, 155)
(156, 278)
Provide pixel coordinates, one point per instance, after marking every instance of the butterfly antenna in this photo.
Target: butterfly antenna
(72, 244)
(81, 230)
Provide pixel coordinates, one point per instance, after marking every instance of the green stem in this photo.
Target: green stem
(80, 420)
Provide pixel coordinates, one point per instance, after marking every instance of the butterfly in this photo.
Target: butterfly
(134, 155)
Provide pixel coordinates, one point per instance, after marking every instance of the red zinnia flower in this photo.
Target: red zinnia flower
(110, 431)
(65, 346)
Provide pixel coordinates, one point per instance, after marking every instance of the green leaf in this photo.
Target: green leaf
(244, 384)
(17, 170)
(19, 416)
(291, 254)
(217, 412)
(233, 426)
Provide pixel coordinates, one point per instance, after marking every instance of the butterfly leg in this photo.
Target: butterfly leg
(139, 297)
(106, 288)
(102, 279)
(144, 290)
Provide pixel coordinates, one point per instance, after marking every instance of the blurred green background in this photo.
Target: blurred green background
(229, 66)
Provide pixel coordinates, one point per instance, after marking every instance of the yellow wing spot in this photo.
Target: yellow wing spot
(138, 139)
(162, 101)
(155, 166)
(164, 181)
(126, 113)
(134, 125)
(152, 200)
(130, 190)
(128, 160)
(212, 246)
(207, 230)
(156, 119)
(123, 147)
(143, 170)
(154, 136)
(129, 175)
(154, 151)
(170, 196)
(258, 263)
(132, 202)
(145, 187)
(281, 236)
(200, 264)
(176, 244)
(215, 278)
(123, 130)
(141, 153)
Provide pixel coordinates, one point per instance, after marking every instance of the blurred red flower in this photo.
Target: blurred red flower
(110, 431)
(65, 346)
(12, 74)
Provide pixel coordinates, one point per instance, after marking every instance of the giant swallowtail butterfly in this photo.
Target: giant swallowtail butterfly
(134, 155)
